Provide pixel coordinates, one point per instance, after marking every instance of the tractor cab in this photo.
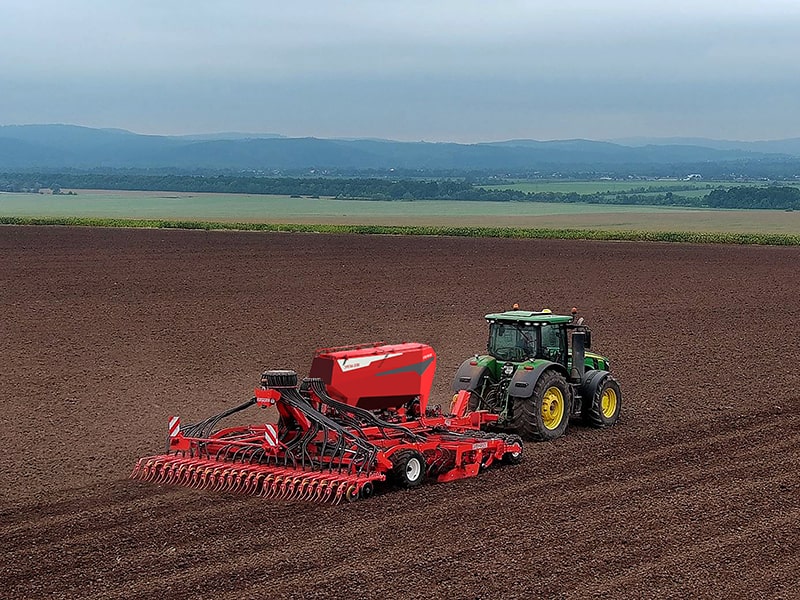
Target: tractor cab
(519, 336)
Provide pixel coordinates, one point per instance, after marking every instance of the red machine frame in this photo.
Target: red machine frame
(352, 424)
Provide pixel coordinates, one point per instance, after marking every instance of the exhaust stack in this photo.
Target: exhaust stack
(578, 367)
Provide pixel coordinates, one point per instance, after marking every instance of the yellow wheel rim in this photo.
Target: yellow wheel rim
(552, 408)
(608, 403)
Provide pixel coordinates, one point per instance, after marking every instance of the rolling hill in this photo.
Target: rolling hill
(75, 147)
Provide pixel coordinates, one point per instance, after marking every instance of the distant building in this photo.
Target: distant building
(693, 176)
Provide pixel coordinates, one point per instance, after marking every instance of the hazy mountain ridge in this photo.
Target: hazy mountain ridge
(70, 146)
(790, 146)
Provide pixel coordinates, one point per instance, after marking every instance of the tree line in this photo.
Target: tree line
(775, 197)
(771, 197)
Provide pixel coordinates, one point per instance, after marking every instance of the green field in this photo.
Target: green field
(283, 209)
(698, 188)
(594, 187)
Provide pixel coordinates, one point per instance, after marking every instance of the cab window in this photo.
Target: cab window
(554, 343)
(512, 341)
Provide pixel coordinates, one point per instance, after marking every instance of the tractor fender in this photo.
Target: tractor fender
(469, 376)
(524, 381)
(592, 380)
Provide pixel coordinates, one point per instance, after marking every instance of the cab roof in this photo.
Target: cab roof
(527, 316)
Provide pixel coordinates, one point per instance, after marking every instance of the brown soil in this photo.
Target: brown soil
(105, 333)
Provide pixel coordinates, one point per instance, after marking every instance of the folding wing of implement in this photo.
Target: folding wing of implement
(361, 418)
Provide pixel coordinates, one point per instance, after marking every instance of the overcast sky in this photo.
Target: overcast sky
(453, 70)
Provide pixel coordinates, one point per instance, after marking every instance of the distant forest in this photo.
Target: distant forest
(763, 197)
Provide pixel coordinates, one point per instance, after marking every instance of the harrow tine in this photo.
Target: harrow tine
(297, 488)
(227, 480)
(288, 488)
(179, 472)
(281, 492)
(197, 474)
(302, 488)
(154, 468)
(244, 482)
(277, 485)
(262, 484)
(248, 482)
(203, 479)
(142, 472)
(329, 491)
(194, 475)
(236, 480)
(206, 472)
(243, 475)
(222, 477)
(190, 474)
(180, 476)
(171, 472)
(165, 471)
(266, 484)
(311, 489)
(340, 492)
(139, 466)
(211, 478)
(320, 490)
(300, 484)
(230, 480)
(195, 479)
(274, 486)
(142, 469)
(257, 482)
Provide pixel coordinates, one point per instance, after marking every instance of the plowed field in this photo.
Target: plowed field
(105, 333)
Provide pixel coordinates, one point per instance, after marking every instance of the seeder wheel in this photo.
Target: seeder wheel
(513, 458)
(367, 490)
(409, 468)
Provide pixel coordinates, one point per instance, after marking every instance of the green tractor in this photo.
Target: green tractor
(535, 380)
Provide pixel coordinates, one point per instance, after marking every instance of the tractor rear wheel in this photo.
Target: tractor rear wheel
(545, 415)
(408, 468)
(602, 409)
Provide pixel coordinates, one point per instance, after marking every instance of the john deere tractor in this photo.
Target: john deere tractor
(535, 380)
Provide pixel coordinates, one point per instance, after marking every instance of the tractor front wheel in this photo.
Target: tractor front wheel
(602, 409)
(545, 415)
(408, 468)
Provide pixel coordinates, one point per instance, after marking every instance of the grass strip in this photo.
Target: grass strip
(764, 239)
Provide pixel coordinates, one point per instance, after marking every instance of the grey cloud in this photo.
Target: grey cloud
(460, 70)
